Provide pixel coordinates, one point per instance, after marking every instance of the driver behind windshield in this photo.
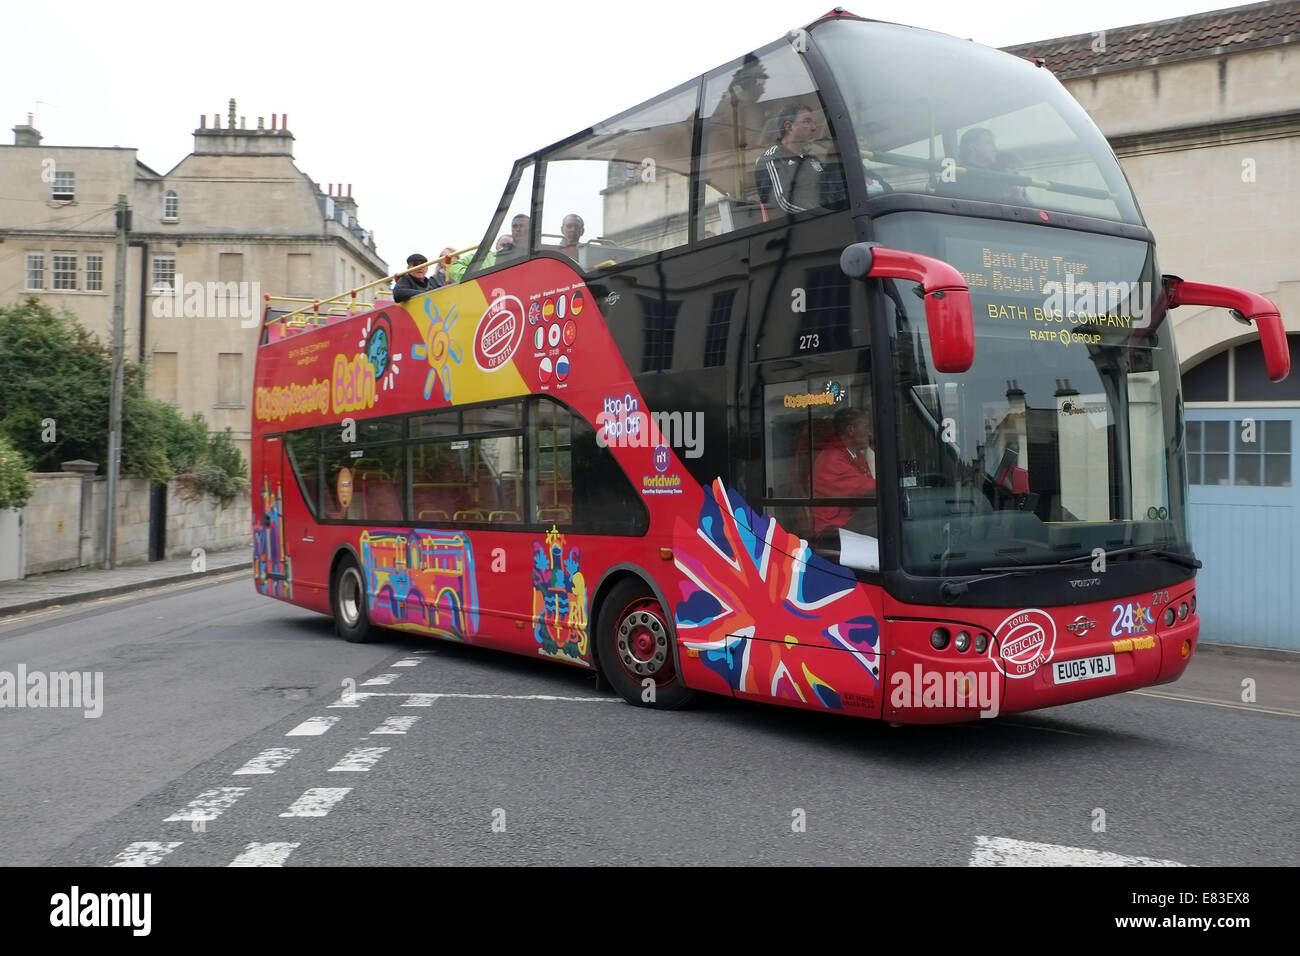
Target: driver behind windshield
(843, 470)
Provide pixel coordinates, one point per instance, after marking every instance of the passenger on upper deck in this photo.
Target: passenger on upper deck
(572, 229)
(518, 248)
(416, 282)
(787, 174)
(979, 149)
(440, 272)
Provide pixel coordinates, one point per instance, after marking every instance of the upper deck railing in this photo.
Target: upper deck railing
(315, 313)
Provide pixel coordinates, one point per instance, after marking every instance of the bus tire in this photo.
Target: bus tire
(633, 646)
(348, 600)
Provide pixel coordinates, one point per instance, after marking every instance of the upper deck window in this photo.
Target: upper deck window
(768, 149)
(948, 117)
(622, 190)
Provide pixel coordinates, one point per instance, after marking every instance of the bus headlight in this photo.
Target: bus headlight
(962, 642)
(981, 643)
(939, 638)
(1169, 617)
(1182, 611)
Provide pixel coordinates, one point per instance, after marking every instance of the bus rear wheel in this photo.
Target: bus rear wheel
(634, 648)
(348, 597)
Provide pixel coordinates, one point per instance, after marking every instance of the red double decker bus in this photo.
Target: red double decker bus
(842, 376)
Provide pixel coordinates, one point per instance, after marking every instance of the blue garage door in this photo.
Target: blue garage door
(1245, 523)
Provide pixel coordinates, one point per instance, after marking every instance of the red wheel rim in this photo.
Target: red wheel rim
(641, 639)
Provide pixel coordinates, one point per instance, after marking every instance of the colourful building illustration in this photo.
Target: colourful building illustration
(421, 577)
(559, 600)
(272, 566)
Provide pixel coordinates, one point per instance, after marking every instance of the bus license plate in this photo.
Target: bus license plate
(1084, 668)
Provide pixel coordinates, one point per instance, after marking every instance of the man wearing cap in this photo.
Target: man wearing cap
(415, 282)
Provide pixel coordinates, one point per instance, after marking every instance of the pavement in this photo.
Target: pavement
(57, 588)
(1218, 674)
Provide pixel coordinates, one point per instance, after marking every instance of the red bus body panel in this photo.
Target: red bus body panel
(757, 614)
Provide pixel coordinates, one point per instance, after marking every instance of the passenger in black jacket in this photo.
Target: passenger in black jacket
(413, 283)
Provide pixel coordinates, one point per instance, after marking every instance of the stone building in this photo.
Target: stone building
(233, 220)
(1203, 112)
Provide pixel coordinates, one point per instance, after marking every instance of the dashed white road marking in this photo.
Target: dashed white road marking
(1001, 851)
(144, 853)
(268, 761)
(396, 725)
(408, 662)
(360, 759)
(264, 854)
(208, 805)
(317, 801)
(380, 680)
(313, 727)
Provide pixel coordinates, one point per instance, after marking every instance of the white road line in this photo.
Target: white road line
(408, 662)
(360, 759)
(1215, 703)
(424, 700)
(317, 801)
(268, 761)
(1001, 851)
(381, 680)
(208, 805)
(144, 853)
(264, 854)
(396, 725)
(313, 727)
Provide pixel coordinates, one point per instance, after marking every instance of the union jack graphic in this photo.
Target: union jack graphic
(752, 588)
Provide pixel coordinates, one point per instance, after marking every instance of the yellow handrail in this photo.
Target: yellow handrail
(348, 300)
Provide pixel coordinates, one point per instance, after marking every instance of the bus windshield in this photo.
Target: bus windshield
(940, 116)
(1064, 436)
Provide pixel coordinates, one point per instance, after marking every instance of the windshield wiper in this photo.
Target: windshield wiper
(953, 589)
(1143, 551)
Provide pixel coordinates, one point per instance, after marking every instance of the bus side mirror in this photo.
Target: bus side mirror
(1245, 307)
(947, 299)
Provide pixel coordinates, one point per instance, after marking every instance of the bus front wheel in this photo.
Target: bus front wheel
(633, 643)
(348, 596)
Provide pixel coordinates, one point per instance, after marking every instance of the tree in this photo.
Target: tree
(15, 485)
(58, 376)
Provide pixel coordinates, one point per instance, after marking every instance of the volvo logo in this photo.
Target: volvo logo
(1080, 625)
(1084, 582)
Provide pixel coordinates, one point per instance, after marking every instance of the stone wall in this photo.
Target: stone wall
(64, 524)
(52, 520)
(205, 524)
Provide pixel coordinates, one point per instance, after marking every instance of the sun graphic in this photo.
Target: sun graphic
(376, 339)
(440, 349)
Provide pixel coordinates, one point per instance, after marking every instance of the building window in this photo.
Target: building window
(64, 188)
(715, 337)
(171, 206)
(165, 378)
(164, 275)
(1247, 453)
(36, 270)
(65, 271)
(94, 272)
(229, 387)
(660, 330)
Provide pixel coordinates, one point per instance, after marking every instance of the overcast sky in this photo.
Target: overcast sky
(422, 107)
